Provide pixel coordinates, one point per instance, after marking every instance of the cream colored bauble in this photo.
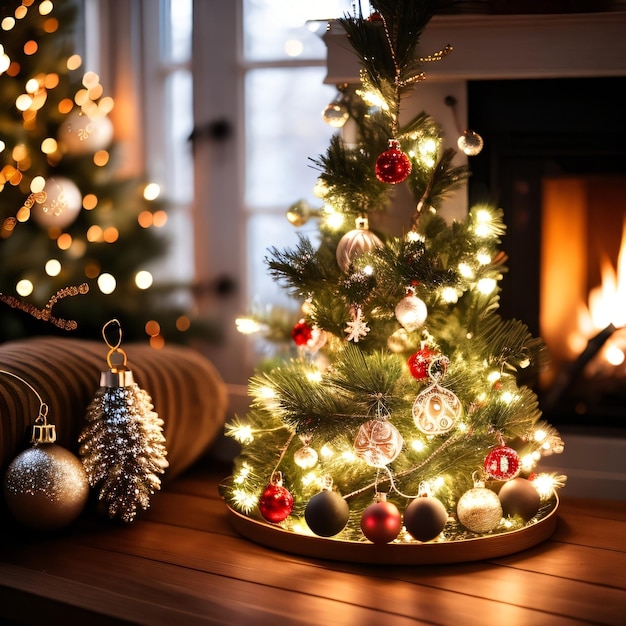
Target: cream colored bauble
(355, 243)
(81, 134)
(62, 205)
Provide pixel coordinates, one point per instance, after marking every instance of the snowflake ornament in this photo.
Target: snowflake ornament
(357, 328)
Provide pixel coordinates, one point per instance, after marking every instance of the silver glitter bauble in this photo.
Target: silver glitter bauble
(46, 487)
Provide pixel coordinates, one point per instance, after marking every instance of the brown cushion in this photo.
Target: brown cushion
(186, 390)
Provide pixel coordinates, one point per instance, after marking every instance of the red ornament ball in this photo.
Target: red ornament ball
(502, 463)
(381, 522)
(301, 333)
(327, 513)
(519, 497)
(276, 503)
(393, 166)
(425, 518)
(419, 363)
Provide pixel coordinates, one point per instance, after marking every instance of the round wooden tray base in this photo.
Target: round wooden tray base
(414, 553)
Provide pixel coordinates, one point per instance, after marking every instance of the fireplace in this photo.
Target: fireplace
(555, 159)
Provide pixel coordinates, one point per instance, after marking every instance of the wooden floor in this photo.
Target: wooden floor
(182, 564)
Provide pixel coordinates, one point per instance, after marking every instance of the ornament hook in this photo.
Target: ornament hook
(114, 347)
(119, 334)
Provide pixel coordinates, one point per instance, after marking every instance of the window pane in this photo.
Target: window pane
(179, 120)
(265, 232)
(284, 127)
(278, 29)
(176, 40)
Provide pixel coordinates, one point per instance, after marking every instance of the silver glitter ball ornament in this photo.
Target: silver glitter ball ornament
(46, 487)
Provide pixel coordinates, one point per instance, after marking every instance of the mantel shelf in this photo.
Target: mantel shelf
(491, 47)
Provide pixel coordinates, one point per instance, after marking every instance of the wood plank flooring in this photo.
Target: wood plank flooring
(181, 563)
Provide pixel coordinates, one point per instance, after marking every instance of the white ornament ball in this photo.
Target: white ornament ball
(479, 510)
(411, 312)
(82, 134)
(62, 205)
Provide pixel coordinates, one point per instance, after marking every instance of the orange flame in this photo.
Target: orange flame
(607, 305)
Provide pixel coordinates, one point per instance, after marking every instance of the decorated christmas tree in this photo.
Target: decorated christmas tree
(66, 215)
(403, 414)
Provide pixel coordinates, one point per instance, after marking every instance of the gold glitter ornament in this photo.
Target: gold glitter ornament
(45, 486)
(122, 447)
(479, 509)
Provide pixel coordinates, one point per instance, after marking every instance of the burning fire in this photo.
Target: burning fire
(607, 306)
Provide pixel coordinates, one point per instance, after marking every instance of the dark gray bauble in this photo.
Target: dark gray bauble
(425, 518)
(327, 513)
(519, 497)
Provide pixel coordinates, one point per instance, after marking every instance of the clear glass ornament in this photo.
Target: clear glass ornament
(305, 457)
(378, 443)
(470, 143)
(335, 114)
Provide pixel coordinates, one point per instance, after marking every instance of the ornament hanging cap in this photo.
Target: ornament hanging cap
(42, 431)
(118, 375)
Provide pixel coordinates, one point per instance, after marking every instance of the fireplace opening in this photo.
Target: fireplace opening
(555, 161)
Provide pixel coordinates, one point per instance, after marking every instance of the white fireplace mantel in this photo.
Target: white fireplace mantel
(490, 47)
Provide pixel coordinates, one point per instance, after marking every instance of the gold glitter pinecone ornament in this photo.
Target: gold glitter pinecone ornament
(122, 446)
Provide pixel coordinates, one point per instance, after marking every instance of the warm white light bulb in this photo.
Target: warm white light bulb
(151, 191)
(24, 287)
(23, 102)
(247, 326)
(107, 283)
(53, 267)
(293, 48)
(483, 258)
(143, 279)
(486, 285)
(465, 270)
(333, 219)
(449, 295)
(314, 377)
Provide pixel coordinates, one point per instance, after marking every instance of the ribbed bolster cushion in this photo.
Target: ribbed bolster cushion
(186, 390)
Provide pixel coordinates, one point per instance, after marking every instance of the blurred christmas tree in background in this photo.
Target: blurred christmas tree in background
(66, 218)
(404, 379)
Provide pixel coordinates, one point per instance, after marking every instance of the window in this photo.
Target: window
(283, 70)
(257, 68)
